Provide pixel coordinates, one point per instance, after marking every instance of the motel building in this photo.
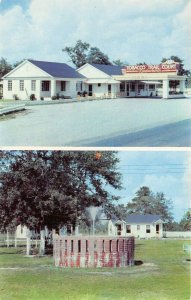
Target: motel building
(160, 80)
(47, 80)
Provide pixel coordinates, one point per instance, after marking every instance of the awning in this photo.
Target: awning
(152, 82)
(106, 80)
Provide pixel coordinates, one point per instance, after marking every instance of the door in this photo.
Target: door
(90, 89)
(109, 89)
(127, 89)
(157, 228)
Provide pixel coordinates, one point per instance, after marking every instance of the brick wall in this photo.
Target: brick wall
(86, 251)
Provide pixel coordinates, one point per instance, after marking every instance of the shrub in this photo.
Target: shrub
(53, 97)
(15, 97)
(32, 97)
(41, 98)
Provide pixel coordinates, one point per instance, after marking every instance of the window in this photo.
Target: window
(10, 85)
(99, 84)
(21, 85)
(141, 86)
(109, 88)
(128, 229)
(33, 85)
(151, 87)
(63, 86)
(45, 86)
(148, 229)
(122, 87)
(132, 87)
(138, 227)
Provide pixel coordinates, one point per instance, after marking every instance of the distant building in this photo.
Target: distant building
(139, 226)
(21, 232)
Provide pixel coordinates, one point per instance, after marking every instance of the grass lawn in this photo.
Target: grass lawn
(164, 275)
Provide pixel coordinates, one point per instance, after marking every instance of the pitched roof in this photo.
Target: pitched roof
(109, 69)
(134, 218)
(56, 69)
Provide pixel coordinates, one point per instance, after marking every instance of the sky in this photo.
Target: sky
(162, 171)
(131, 30)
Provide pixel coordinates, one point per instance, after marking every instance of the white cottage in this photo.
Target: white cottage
(140, 226)
(42, 79)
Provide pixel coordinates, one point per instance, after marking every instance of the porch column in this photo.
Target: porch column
(182, 86)
(38, 89)
(53, 87)
(165, 89)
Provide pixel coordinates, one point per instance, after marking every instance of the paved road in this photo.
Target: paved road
(172, 135)
(76, 124)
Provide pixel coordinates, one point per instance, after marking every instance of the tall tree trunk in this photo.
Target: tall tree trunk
(42, 242)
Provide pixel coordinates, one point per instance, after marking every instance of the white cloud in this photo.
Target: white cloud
(133, 30)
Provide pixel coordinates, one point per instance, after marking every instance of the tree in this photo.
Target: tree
(119, 211)
(18, 63)
(146, 202)
(97, 57)
(185, 222)
(181, 70)
(78, 53)
(82, 53)
(5, 67)
(54, 188)
(141, 64)
(120, 63)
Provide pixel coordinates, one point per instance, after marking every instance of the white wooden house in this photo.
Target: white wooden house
(43, 79)
(140, 226)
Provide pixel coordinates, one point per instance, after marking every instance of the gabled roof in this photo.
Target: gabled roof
(109, 69)
(135, 218)
(56, 69)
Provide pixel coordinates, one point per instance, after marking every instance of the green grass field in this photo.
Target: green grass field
(164, 275)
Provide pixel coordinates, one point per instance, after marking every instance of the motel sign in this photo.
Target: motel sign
(160, 68)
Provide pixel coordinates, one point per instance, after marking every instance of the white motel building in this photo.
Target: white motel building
(45, 80)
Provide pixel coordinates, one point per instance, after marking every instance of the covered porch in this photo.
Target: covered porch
(101, 87)
(152, 85)
(57, 88)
